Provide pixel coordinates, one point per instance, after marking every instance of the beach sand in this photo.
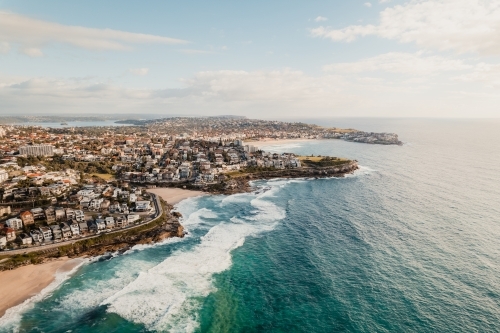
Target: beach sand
(174, 195)
(22, 283)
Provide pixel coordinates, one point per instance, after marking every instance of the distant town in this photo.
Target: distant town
(65, 184)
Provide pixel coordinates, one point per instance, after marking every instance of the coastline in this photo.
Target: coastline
(22, 283)
(174, 195)
(267, 142)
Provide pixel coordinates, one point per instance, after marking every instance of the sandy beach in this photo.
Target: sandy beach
(267, 142)
(22, 283)
(174, 195)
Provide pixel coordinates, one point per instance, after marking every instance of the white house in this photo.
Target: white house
(131, 218)
(47, 233)
(142, 206)
(75, 229)
(14, 223)
(110, 222)
(79, 216)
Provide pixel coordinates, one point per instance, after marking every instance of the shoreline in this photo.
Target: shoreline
(33, 279)
(268, 142)
(21, 284)
(173, 195)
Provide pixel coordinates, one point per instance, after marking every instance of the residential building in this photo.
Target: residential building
(4, 175)
(110, 222)
(84, 228)
(50, 215)
(10, 234)
(70, 214)
(37, 236)
(4, 210)
(27, 218)
(14, 223)
(37, 150)
(79, 216)
(131, 218)
(38, 213)
(46, 233)
(142, 206)
(65, 230)
(56, 232)
(25, 239)
(75, 229)
(60, 214)
(3, 241)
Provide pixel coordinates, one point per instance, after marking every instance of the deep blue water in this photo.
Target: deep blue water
(410, 243)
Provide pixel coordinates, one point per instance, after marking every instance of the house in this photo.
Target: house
(95, 204)
(110, 222)
(142, 206)
(37, 213)
(70, 214)
(14, 223)
(84, 228)
(133, 197)
(60, 214)
(79, 216)
(37, 236)
(4, 210)
(50, 215)
(46, 233)
(3, 242)
(105, 204)
(75, 230)
(56, 232)
(121, 222)
(27, 218)
(65, 230)
(131, 218)
(92, 226)
(101, 224)
(10, 234)
(25, 239)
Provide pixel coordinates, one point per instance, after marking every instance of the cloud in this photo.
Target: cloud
(194, 51)
(320, 19)
(384, 1)
(352, 90)
(368, 4)
(457, 25)
(401, 63)
(32, 35)
(4, 47)
(139, 71)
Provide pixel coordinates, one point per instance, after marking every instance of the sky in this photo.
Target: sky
(260, 59)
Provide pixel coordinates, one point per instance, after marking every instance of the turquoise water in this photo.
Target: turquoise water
(407, 244)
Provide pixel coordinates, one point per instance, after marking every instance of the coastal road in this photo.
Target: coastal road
(158, 214)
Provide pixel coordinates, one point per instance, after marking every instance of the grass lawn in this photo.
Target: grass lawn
(105, 176)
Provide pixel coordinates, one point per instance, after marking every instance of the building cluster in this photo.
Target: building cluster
(54, 170)
(85, 211)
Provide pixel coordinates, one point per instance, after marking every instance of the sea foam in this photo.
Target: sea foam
(168, 296)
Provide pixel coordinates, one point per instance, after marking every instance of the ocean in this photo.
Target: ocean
(409, 243)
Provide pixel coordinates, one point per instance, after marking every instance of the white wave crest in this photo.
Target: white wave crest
(167, 296)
